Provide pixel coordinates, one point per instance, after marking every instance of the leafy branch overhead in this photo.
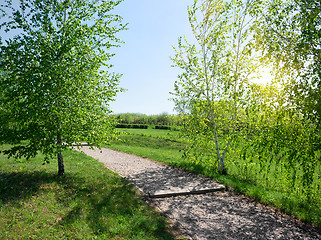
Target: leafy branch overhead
(55, 80)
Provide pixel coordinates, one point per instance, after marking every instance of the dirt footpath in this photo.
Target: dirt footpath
(217, 215)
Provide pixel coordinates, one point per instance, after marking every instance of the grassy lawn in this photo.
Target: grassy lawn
(161, 145)
(166, 146)
(89, 202)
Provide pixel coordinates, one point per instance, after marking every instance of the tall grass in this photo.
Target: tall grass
(89, 202)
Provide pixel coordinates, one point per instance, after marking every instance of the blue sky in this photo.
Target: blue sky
(144, 60)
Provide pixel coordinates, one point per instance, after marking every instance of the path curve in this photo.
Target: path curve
(219, 215)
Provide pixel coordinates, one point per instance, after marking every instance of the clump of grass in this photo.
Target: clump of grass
(89, 202)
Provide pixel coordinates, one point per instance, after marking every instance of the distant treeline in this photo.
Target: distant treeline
(163, 119)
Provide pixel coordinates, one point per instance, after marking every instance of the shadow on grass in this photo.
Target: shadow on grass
(107, 207)
(17, 186)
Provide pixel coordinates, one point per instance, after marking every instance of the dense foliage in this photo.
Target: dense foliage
(55, 86)
(268, 134)
(290, 38)
(287, 116)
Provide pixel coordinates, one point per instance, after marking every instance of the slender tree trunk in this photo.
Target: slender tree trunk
(221, 162)
(61, 167)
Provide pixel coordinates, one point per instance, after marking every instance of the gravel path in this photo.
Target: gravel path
(219, 215)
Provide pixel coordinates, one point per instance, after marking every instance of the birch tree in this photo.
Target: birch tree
(55, 81)
(216, 65)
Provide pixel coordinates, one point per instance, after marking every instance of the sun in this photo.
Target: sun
(263, 76)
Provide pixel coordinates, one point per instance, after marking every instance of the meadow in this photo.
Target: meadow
(270, 187)
(89, 202)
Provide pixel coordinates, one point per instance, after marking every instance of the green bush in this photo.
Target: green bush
(162, 127)
(139, 126)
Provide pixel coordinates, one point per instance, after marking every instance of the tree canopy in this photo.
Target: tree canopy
(290, 37)
(55, 82)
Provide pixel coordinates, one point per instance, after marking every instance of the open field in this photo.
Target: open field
(89, 202)
(166, 146)
(161, 145)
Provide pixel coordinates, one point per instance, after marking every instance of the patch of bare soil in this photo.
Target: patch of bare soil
(218, 215)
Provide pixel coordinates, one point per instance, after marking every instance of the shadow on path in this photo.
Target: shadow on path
(225, 215)
(219, 215)
(168, 178)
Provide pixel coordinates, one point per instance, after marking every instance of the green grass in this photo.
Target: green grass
(89, 202)
(160, 145)
(154, 133)
(166, 146)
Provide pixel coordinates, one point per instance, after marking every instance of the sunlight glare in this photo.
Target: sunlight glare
(264, 75)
